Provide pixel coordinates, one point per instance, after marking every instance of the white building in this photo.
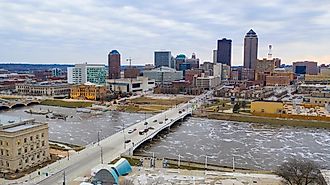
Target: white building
(164, 74)
(217, 69)
(82, 73)
(139, 84)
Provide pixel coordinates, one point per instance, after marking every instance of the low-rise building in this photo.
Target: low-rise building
(163, 74)
(23, 144)
(277, 80)
(88, 91)
(53, 89)
(207, 82)
(268, 107)
(139, 84)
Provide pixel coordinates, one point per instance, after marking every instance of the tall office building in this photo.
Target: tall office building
(163, 58)
(215, 56)
(250, 50)
(224, 51)
(114, 64)
(82, 73)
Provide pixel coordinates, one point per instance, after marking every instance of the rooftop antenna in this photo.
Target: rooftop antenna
(270, 55)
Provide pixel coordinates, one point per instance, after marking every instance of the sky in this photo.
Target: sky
(77, 31)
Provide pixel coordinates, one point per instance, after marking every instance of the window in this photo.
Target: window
(31, 147)
(0, 142)
(42, 143)
(19, 151)
(25, 150)
(31, 138)
(25, 140)
(27, 160)
(18, 141)
(42, 135)
(7, 152)
(37, 136)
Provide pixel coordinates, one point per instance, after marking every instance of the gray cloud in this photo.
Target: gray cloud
(74, 31)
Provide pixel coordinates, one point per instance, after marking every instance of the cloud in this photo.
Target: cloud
(73, 31)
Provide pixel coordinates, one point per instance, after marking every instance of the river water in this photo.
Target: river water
(82, 128)
(253, 146)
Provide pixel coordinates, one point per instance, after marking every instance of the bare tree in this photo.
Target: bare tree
(300, 172)
(128, 182)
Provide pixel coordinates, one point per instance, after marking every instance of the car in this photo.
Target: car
(141, 132)
(166, 119)
(131, 131)
(155, 120)
(180, 112)
(146, 130)
(145, 123)
(127, 141)
(183, 110)
(151, 128)
(160, 122)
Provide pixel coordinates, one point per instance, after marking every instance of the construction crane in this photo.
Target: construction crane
(270, 55)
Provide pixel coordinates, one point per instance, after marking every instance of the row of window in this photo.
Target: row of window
(31, 138)
(19, 151)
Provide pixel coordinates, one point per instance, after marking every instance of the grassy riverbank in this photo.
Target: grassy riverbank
(68, 104)
(264, 120)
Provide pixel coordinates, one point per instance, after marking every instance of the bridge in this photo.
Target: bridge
(79, 164)
(9, 104)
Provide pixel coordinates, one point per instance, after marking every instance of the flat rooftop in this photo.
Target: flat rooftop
(12, 124)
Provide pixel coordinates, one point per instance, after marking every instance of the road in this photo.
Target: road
(80, 164)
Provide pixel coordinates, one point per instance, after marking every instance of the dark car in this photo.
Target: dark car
(166, 119)
(155, 120)
(127, 141)
(160, 122)
(141, 132)
(145, 123)
(146, 130)
(151, 128)
(180, 112)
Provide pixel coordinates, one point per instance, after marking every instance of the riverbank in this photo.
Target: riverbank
(187, 165)
(264, 120)
(67, 104)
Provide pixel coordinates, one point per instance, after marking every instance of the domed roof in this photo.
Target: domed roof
(181, 56)
(114, 52)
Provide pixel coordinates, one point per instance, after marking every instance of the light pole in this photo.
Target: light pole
(64, 177)
(98, 137)
(124, 136)
(101, 155)
(233, 163)
(205, 163)
(179, 161)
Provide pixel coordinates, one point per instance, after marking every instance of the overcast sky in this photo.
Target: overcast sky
(76, 31)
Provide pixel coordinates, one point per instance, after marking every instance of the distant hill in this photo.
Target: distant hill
(29, 68)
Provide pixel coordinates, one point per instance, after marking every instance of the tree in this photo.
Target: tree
(236, 108)
(243, 104)
(300, 172)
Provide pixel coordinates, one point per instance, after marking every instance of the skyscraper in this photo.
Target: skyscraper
(162, 58)
(250, 49)
(224, 51)
(114, 64)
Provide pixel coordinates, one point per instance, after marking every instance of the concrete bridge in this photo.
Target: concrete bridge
(9, 104)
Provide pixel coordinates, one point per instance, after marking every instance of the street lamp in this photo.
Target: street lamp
(98, 137)
(153, 158)
(124, 136)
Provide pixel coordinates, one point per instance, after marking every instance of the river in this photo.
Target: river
(82, 128)
(253, 146)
